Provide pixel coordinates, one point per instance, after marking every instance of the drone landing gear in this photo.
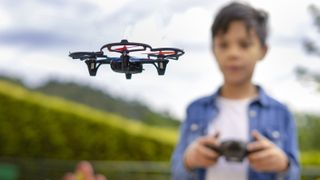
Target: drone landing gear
(92, 67)
(161, 68)
(128, 76)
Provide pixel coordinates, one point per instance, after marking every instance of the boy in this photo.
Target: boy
(238, 110)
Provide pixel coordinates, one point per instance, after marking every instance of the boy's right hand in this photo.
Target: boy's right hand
(198, 154)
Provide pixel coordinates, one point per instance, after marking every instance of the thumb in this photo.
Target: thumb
(257, 136)
(216, 135)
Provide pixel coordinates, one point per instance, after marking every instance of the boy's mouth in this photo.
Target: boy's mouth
(233, 68)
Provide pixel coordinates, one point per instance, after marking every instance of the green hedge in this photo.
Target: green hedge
(38, 126)
(34, 125)
(309, 158)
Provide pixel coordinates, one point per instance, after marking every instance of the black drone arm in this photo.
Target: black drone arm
(147, 60)
(93, 60)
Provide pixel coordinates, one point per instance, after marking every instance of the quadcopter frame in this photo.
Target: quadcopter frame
(129, 65)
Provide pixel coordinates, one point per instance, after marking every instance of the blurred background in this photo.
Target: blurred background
(53, 114)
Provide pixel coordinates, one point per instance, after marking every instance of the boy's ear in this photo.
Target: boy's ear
(264, 50)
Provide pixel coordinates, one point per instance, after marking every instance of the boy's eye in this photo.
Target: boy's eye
(245, 45)
(223, 45)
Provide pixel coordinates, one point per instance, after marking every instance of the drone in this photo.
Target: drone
(126, 64)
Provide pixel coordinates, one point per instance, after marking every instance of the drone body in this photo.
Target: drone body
(126, 64)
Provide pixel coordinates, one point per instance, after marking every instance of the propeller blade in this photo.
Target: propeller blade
(121, 49)
(124, 48)
(161, 53)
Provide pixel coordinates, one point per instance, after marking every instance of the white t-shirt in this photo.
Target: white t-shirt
(232, 123)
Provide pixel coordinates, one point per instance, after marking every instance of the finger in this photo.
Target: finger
(208, 140)
(257, 167)
(260, 155)
(259, 145)
(208, 153)
(68, 176)
(257, 136)
(208, 162)
(216, 135)
(262, 165)
(100, 177)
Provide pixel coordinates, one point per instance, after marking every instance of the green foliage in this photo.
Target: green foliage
(104, 101)
(311, 46)
(34, 125)
(309, 158)
(92, 97)
(39, 126)
(308, 132)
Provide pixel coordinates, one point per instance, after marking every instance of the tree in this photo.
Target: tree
(312, 48)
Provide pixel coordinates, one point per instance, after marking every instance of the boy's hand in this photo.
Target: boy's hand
(83, 171)
(199, 155)
(266, 156)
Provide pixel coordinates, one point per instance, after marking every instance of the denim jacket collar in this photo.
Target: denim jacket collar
(261, 99)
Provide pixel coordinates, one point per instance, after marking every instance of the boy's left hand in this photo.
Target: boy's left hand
(266, 156)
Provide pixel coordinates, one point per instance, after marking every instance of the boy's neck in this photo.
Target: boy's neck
(242, 91)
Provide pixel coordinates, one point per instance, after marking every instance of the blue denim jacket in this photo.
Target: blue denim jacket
(266, 115)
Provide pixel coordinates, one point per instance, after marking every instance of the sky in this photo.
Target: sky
(36, 37)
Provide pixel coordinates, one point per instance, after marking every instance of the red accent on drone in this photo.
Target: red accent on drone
(162, 53)
(124, 48)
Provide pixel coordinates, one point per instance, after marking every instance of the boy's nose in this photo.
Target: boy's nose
(233, 53)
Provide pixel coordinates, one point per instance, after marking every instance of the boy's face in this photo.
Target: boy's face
(237, 51)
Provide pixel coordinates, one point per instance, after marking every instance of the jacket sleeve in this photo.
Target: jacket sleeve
(291, 149)
(179, 172)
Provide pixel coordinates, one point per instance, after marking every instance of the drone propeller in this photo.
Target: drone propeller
(125, 46)
(161, 53)
(169, 53)
(87, 55)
